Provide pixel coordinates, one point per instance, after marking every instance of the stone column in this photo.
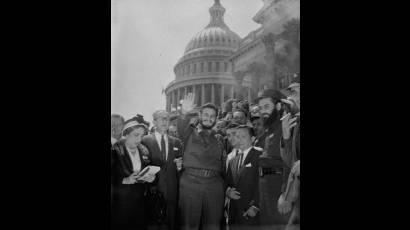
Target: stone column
(249, 95)
(194, 93)
(232, 91)
(213, 93)
(173, 98)
(203, 94)
(269, 41)
(167, 102)
(179, 96)
(222, 94)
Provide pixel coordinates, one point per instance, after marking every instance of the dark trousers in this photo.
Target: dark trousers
(269, 193)
(201, 202)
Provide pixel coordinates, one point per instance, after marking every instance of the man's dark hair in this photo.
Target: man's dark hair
(249, 128)
(211, 106)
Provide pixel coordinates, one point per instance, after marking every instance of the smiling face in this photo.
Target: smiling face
(266, 106)
(208, 118)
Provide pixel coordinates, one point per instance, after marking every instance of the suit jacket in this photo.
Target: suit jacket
(167, 178)
(246, 183)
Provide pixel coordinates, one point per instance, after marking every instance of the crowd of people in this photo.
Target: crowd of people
(236, 167)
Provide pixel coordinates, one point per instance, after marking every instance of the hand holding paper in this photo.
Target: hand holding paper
(148, 174)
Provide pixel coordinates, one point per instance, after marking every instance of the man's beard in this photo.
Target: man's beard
(206, 126)
(268, 121)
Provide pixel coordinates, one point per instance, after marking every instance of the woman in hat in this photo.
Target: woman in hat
(129, 157)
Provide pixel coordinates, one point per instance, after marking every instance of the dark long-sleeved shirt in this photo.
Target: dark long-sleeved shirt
(202, 148)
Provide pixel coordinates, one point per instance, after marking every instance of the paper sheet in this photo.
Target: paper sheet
(149, 170)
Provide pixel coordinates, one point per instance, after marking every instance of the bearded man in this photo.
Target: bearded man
(270, 162)
(201, 191)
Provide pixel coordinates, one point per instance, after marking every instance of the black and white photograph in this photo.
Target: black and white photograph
(205, 115)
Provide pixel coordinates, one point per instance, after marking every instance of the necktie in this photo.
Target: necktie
(163, 149)
(240, 154)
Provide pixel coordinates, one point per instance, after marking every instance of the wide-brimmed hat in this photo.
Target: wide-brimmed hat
(133, 123)
(276, 95)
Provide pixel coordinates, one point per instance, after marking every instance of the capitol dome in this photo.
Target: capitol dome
(204, 69)
(216, 35)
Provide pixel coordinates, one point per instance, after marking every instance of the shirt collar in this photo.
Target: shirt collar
(129, 151)
(247, 150)
(158, 135)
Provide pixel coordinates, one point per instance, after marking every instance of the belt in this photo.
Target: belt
(202, 172)
(268, 171)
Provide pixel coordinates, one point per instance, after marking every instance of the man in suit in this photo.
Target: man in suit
(242, 182)
(166, 152)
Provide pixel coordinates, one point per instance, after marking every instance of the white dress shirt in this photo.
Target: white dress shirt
(135, 159)
(230, 156)
(158, 136)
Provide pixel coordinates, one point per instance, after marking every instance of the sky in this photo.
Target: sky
(147, 39)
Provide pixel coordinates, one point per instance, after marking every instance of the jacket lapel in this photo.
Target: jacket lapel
(245, 162)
